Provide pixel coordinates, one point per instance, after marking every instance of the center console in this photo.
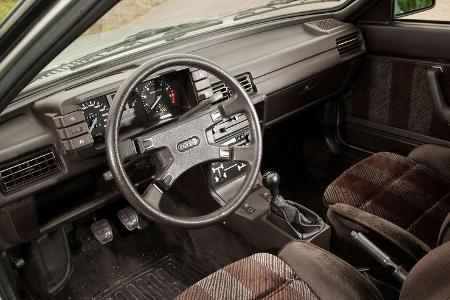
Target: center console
(266, 219)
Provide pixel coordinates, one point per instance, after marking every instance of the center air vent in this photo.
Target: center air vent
(349, 44)
(28, 168)
(245, 80)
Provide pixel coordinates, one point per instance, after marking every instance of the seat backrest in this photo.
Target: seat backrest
(430, 277)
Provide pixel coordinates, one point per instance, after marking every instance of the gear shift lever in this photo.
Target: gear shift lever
(301, 220)
(271, 180)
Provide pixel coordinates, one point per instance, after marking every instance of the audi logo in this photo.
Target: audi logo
(188, 144)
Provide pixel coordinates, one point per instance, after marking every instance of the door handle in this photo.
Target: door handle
(441, 107)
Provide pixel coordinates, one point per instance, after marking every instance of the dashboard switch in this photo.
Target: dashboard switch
(205, 94)
(198, 75)
(78, 142)
(249, 209)
(216, 116)
(69, 119)
(224, 153)
(202, 84)
(148, 144)
(73, 131)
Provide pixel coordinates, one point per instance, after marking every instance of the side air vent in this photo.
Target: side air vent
(349, 44)
(28, 169)
(245, 80)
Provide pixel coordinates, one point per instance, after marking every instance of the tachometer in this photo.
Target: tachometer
(96, 114)
(158, 98)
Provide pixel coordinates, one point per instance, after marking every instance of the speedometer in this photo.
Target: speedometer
(96, 114)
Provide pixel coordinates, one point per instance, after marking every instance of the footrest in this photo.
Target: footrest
(129, 218)
(102, 231)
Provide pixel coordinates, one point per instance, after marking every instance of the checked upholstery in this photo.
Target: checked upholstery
(411, 192)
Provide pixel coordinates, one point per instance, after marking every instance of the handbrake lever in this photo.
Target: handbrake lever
(379, 255)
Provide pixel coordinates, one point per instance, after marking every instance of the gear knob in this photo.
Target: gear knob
(271, 180)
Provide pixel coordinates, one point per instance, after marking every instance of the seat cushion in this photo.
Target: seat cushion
(260, 276)
(398, 189)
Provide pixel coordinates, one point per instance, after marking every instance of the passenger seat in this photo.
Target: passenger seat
(403, 202)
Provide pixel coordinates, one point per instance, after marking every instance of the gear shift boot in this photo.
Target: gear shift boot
(296, 218)
(291, 216)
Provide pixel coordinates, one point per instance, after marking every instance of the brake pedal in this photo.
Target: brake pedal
(102, 231)
(129, 218)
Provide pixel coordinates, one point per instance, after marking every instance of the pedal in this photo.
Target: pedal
(102, 231)
(143, 223)
(129, 218)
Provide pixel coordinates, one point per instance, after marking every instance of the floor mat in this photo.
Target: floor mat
(163, 279)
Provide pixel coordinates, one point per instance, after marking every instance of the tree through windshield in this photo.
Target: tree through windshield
(133, 24)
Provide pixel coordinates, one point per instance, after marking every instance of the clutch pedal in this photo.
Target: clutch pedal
(102, 231)
(129, 218)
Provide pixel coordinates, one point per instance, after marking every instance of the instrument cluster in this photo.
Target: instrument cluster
(151, 101)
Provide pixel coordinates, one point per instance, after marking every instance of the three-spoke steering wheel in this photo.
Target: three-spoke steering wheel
(185, 141)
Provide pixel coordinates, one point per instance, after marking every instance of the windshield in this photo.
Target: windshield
(133, 25)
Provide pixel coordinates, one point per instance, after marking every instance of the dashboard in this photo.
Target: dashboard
(61, 132)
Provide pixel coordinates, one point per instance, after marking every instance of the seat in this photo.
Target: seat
(304, 271)
(301, 271)
(411, 192)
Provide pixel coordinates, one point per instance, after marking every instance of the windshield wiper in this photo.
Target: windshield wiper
(170, 32)
(274, 5)
(167, 33)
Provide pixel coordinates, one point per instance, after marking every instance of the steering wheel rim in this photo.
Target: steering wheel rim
(238, 101)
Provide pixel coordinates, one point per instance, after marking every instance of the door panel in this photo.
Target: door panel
(390, 105)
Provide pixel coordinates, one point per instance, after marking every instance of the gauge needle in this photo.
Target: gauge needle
(93, 124)
(156, 102)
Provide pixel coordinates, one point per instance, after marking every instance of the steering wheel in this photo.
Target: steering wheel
(184, 143)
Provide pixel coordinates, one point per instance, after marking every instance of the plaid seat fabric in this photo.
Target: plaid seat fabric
(260, 276)
(397, 189)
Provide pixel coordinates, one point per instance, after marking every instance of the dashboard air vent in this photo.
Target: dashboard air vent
(349, 44)
(245, 80)
(28, 168)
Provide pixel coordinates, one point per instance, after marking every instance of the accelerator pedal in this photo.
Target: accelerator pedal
(102, 231)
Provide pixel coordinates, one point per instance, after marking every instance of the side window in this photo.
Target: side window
(422, 10)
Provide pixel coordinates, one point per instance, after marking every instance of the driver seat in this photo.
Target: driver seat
(305, 271)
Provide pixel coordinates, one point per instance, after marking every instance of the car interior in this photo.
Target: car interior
(305, 156)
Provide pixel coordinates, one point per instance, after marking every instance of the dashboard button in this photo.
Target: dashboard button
(78, 142)
(205, 94)
(199, 75)
(73, 131)
(69, 119)
(202, 84)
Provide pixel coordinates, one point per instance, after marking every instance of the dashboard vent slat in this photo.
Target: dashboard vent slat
(28, 168)
(349, 44)
(245, 80)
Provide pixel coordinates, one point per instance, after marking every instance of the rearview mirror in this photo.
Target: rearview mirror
(408, 7)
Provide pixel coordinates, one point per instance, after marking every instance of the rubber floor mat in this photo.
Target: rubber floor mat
(163, 279)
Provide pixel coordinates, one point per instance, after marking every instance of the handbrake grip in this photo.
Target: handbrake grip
(379, 255)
